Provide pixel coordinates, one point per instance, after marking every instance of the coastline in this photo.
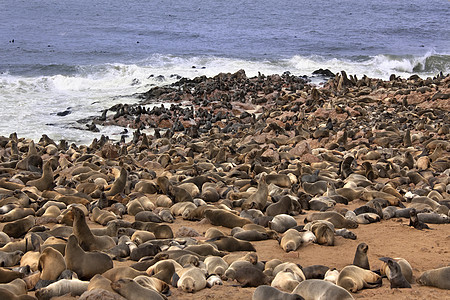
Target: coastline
(225, 126)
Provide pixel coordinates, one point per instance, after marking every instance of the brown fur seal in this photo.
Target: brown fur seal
(7, 295)
(394, 274)
(102, 217)
(264, 292)
(117, 273)
(315, 271)
(361, 260)
(130, 289)
(162, 270)
(18, 228)
(213, 233)
(7, 275)
(161, 231)
(231, 244)
(51, 264)
(251, 276)
(17, 287)
(282, 223)
(119, 184)
(405, 267)
(353, 279)
(439, 278)
(16, 214)
(324, 233)
(153, 283)
(85, 264)
(320, 289)
(335, 218)
(258, 200)
(216, 265)
(87, 240)
(219, 217)
(46, 180)
(100, 282)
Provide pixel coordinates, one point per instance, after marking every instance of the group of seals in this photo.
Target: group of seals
(257, 174)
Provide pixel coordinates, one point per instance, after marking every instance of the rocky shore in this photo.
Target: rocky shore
(260, 171)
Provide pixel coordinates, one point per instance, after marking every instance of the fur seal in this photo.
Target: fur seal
(405, 267)
(7, 295)
(87, 240)
(335, 218)
(51, 264)
(9, 259)
(285, 205)
(250, 276)
(231, 244)
(162, 270)
(117, 273)
(191, 280)
(219, 217)
(286, 281)
(46, 180)
(119, 184)
(18, 228)
(264, 292)
(17, 287)
(289, 266)
(161, 231)
(439, 278)
(130, 289)
(315, 271)
(345, 233)
(282, 223)
(258, 199)
(291, 240)
(395, 274)
(64, 286)
(353, 278)
(153, 283)
(85, 264)
(7, 275)
(320, 289)
(415, 222)
(216, 265)
(324, 233)
(361, 260)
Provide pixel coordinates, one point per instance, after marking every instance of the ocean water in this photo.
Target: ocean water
(84, 56)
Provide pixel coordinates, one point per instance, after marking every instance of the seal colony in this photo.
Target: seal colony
(251, 186)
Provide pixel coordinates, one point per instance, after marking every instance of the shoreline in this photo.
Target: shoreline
(226, 131)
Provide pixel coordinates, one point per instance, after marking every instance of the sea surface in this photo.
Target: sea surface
(80, 57)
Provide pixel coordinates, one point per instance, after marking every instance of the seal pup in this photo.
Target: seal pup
(354, 278)
(321, 289)
(130, 289)
(439, 278)
(361, 260)
(85, 264)
(394, 274)
(415, 222)
(405, 267)
(64, 286)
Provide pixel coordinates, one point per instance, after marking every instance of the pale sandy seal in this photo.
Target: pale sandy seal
(286, 281)
(64, 286)
(204, 250)
(394, 274)
(331, 275)
(85, 264)
(152, 283)
(291, 240)
(216, 265)
(162, 270)
(320, 289)
(282, 223)
(117, 273)
(264, 292)
(130, 289)
(9, 259)
(219, 217)
(324, 232)
(439, 278)
(191, 279)
(289, 266)
(51, 264)
(354, 278)
(361, 260)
